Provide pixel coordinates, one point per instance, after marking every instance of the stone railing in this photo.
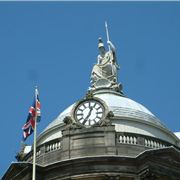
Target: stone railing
(52, 146)
(154, 143)
(137, 139)
(127, 139)
(45, 148)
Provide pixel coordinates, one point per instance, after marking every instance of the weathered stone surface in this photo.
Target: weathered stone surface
(98, 153)
(160, 164)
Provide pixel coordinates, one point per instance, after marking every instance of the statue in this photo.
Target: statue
(104, 73)
(105, 67)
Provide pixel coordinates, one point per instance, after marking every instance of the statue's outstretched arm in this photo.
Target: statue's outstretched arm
(111, 46)
(113, 49)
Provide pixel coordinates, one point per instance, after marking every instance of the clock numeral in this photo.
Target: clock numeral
(80, 119)
(98, 118)
(80, 110)
(89, 122)
(89, 104)
(98, 108)
(94, 121)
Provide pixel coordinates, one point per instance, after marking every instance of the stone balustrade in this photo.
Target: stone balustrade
(154, 144)
(127, 139)
(53, 146)
(136, 139)
(121, 139)
(45, 148)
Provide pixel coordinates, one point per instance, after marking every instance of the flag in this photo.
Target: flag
(38, 108)
(34, 114)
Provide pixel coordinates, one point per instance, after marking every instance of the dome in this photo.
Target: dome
(129, 116)
(105, 135)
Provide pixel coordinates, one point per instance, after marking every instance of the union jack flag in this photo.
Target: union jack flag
(38, 108)
(34, 114)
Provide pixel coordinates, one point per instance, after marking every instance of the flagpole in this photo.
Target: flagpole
(34, 147)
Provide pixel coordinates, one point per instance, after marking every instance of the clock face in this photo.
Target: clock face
(89, 112)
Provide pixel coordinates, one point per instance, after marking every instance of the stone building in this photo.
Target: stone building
(105, 135)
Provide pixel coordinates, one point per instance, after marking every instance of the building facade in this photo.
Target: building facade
(106, 135)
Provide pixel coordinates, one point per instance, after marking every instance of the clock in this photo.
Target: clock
(89, 112)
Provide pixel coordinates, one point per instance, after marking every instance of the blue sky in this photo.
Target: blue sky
(54, 45)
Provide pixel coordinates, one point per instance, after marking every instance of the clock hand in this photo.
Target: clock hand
(85, 120)
(89, 112)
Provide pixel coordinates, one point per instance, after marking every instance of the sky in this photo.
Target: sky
(54, 45)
